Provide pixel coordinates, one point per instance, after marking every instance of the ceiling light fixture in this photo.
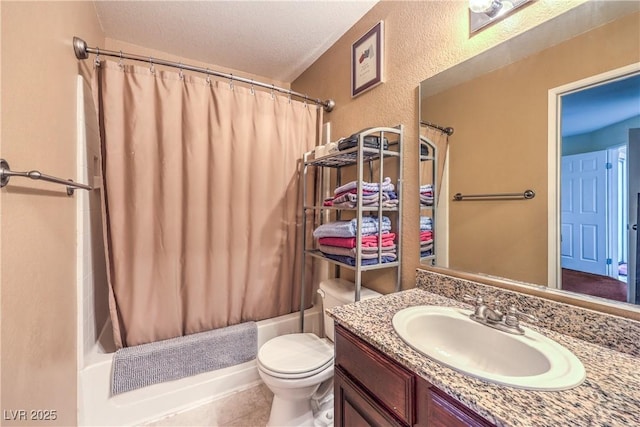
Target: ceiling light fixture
(484, 12)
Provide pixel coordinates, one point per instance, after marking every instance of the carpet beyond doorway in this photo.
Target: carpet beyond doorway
(594, 284)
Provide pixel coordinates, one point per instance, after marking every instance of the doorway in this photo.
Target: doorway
(598, 148)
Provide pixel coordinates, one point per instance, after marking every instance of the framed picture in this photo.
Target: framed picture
(366, 60)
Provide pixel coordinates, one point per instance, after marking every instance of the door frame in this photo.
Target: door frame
(614, 224)
(554, 270)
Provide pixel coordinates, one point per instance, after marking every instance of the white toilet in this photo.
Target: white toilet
(296, 366)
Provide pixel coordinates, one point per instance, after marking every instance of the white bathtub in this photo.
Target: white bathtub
(97, 407)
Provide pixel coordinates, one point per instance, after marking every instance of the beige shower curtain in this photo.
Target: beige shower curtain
(201, 201)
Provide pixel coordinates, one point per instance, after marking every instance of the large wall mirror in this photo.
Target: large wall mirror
(555, 110)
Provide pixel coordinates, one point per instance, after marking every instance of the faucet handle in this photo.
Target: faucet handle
(477, 301)
(513, 317)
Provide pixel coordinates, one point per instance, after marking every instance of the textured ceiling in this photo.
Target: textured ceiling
(273, 39)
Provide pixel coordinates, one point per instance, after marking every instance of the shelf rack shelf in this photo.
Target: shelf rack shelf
(356, 159)
(426, 146)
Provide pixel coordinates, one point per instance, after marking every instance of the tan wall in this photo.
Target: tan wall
(500, 145)
(422, 39)
(37, 220)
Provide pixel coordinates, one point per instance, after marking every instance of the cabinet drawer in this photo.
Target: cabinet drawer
(390, 384)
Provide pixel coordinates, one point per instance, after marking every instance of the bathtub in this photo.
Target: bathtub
(97, 407)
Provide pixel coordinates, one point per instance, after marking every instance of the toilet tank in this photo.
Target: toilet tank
(336, 292)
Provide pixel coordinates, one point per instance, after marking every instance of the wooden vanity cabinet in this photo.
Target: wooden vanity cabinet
(373, 390)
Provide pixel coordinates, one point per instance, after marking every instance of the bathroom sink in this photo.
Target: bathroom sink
(530, 361)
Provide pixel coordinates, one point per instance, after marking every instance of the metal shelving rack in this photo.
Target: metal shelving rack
(432, 156)
(358, 157)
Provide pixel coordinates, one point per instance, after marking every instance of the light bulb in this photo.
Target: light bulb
(480, 6)
(506, 6)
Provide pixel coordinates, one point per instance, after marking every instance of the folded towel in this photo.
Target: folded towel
(350, 242)
(355, 191)
(371, 141)
(349, 228)
(426, 200)
(369, 186)
(426, 235)
(366, 253)
(352, 261)
(426, 223)
(370, 197)
(426, 187)
(348, 200)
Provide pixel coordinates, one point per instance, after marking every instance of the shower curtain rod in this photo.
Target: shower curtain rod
(82, 51)
(447, 130)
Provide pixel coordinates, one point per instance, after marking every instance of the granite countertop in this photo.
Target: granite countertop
(609, 396)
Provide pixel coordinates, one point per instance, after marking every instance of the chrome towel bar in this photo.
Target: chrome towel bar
(527, 194)
(6, 173)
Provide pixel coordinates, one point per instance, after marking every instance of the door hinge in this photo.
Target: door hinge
(609, 165)
(609, 261)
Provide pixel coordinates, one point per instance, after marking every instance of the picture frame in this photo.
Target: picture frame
(367, 60)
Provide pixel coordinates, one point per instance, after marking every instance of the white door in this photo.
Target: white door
(583, 233)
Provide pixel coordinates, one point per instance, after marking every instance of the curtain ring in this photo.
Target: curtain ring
(289, 96)
(181, 74)
(231, 82)
(253, 92)
(273, 88)
(306, 98)
(120, 64)
(96, 61)
(152, 68)
(208, 78)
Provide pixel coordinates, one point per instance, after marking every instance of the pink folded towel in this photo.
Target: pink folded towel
(350, 242)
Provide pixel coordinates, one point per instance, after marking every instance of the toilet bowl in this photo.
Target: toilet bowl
(294, 366)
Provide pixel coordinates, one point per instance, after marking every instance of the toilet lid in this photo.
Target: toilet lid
(295, 353)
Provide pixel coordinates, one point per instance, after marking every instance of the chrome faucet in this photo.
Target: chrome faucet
(483, 313)
(508, 322)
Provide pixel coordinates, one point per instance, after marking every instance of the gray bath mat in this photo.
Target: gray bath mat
(175, 358)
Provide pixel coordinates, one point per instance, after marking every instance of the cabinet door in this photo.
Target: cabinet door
(435, 409)
(354, 408)
(390, 383)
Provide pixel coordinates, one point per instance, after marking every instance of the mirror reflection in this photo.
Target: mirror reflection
(534, 123)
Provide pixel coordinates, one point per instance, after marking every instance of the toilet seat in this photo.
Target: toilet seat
(295, 356)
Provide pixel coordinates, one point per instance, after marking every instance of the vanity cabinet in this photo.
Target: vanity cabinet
(373, 390)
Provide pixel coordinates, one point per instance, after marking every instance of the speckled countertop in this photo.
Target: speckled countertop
(609, 396)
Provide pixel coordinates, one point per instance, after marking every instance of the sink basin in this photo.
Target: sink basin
(530, 361)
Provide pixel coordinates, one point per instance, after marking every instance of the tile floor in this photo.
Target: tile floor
(248, 408)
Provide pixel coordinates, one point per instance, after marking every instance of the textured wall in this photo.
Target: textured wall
(37, 220)
(422, 39)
